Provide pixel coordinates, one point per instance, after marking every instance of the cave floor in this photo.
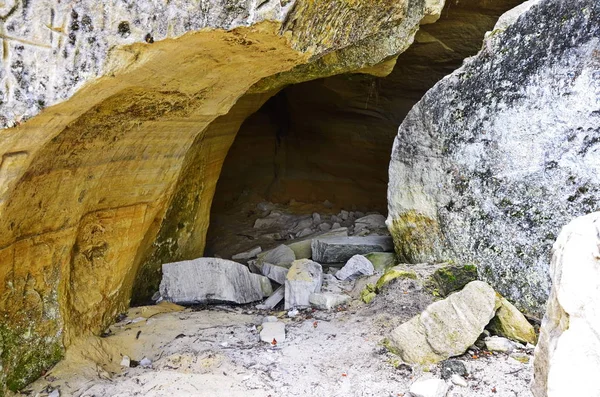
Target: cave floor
(216, 351)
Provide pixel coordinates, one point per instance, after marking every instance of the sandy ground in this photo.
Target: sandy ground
(216, 351)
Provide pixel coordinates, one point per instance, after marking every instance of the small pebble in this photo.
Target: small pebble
(146, 362)
(125, 361)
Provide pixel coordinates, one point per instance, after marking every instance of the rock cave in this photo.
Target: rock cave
(224, 136)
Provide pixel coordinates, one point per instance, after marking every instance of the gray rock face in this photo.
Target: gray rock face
(371, 222)
(206, 280)
(356, 266)
(280, 256)
(446, 328)
(304, 278)
(496, 157)
(567, 357)
(340, 249)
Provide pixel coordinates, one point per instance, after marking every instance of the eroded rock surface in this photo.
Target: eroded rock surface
(567, 357)
(497, 156)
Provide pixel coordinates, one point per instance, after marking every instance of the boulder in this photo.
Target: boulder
(340, 249)
(381, 260)
(497, 156)
(265, 284)
(327, 300)
(274, 272)
(445, 328)
(243, 256)
(356, 266)
(429, 388)
(208, 280)
(512, 324)
(304, 278)
(567, 356)
(450, 278)
(280, 256)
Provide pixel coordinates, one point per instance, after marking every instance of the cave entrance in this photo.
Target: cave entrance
(317, 147)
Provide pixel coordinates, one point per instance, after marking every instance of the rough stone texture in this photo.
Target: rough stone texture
(497, 156)
(265, 284)
(371, 222)
(356, 266)
(282, 255)
(274, 272)
(206, 280)
(512, 324)
(446, 328)
(448, 279)
(567, 357)
(303, 278)
(340, 249)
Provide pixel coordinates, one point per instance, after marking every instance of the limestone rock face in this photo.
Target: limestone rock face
(567, 357)
(501, 153)
(446, 328)
(136, 106)
(206, 280)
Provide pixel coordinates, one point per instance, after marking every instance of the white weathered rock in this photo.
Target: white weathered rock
(270, 319)
(275, 273)
(567, 357)
(304, 278)
(499, 344)
(340, 249)
(205, 280)
(446, 328)
(327, 301)
(125, 361)
(242, 256)
(146, 362)
(280, 256)
(459, 380)
(356, 266)
(429, 388)
(265, 284)
(54, 393)
(273, 331)
(512, 324)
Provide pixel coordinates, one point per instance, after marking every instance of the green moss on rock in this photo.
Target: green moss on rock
(453, 278)
(392, 274)
(417, 238)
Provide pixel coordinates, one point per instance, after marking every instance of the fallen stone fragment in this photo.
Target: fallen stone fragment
(429, 388)
(265, 284)
(316, 218)
(327, 301)
(459, 380)
(54, 393)
(209, 280)
(280, 256)
(125, 361)
(304, 232)
(242, 256)
(371, 222)
(303, 278)
(325, 227)
(445, 328)
(512, 324)
(340, 249)
(499, 344)
(269, 221)
(344, 215)
(303, 224)
(355, 267)
(368, 293)
(381, 260)
(273, 333)
(275, 273)
(392, 274)
(146, 362)
(567, 356)
(273, 300)
(270, 319)
(336, 225)
(302, 248)
(452, 367)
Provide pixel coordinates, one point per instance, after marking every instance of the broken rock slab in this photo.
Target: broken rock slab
(302, 248)
(356, 266)
(304, 278)
(265, 284)
(445, 328)
(273, 300)
(327, 300)
(512, 324)
(280, 256)
(208, 280)
(244, 256)
(275, 273)
(371, 222)
(340, 249)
